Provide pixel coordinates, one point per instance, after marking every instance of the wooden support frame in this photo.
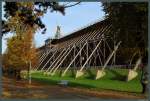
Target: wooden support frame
(115, 49)
(42, 59)
(132, 72)
(49, 59)
(90, 35)
(58, 60)
(78, 74)
(55, 59)
(62, 60)
(101, 73)
(73, 60)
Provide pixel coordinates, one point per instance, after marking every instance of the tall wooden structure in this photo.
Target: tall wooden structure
(88, 47)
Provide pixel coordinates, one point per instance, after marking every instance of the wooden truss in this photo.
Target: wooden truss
(89, 50)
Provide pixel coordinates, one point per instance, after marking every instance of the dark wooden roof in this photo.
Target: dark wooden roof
(76, 36)
(81, 31)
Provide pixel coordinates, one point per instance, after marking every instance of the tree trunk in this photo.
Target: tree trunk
(28, 71)
(18, 75)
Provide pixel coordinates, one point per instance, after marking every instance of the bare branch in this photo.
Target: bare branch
(72, 4)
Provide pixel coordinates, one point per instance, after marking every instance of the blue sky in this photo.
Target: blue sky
(76, 17)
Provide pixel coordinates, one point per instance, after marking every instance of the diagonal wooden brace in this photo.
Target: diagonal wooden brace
(80, 73)
(132, 72)
(101, 73)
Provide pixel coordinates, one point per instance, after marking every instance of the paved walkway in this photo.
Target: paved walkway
(21, 89)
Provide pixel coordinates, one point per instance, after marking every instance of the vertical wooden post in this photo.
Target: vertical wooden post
(104, 48)
(74, 53)
(87, 53)
(80, 56)
(114, 48)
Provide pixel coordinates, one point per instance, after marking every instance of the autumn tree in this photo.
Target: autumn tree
(20, 50)
(30, 13)
(24, 19)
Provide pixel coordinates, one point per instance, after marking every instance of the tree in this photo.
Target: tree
(24, 19)
(130, 25)
(30, 13)
(20, 50)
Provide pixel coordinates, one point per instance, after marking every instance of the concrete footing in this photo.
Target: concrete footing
(52, 74)
(63, 74)
(49, 73)
(100, 74)
(33, 71)
(131, 75)
(45, 73)
(79, 73)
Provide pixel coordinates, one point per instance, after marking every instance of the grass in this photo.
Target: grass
(113, 80)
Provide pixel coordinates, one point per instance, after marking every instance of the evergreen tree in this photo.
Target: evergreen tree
(130, 25)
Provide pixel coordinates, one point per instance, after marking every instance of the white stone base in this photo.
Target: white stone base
(49, 73)
(52, 74)
(131, 75)
(63, 74)
(45, 73)
(33, 71)
(100, 74)
(79, 73)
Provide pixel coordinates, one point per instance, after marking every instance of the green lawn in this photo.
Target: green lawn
(113, 80)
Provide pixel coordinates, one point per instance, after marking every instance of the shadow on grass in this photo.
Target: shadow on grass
(83, 84)
(73, 84)
(118, 76)
(73, 73)
(90, 74)
(55, 82)
(60, 73)
(52, 82)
